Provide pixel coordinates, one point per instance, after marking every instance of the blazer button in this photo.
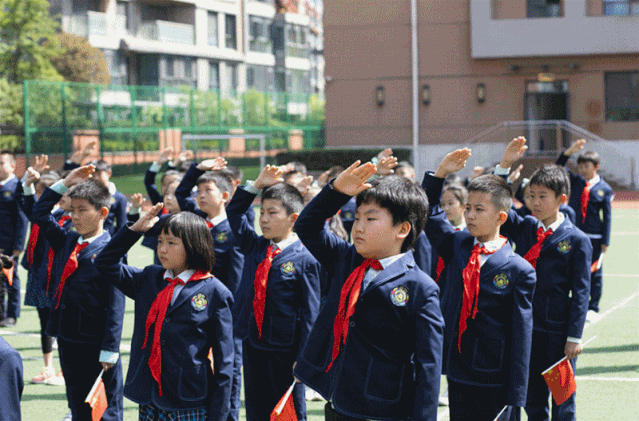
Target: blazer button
(63, 306)
(351, 324)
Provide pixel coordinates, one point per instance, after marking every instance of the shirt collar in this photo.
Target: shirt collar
(560, 219)
(492, 245)
(286, 242)
(112, 188)
(184, 276)
(91, 239)
(218, 219)
(594, 180)
(387, 261)
(460, 226)
(11, 177)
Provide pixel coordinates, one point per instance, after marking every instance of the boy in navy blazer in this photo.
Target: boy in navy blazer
(561, 254)
(375, 350)
(591, 198)
(278, 299)
(11, 379)
(487, 303)
(167, 178)
(13, 231)
(116, 218)
(86, 314)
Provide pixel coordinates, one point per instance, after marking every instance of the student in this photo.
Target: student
(13, 231)
(277, 301)
(117, 209)
(488, 298)
(561, 254)
(236, 175)
(11, 379)
(167, 178)
(523, 195)
(591, 198)
(375, 350)
(181, 312)
(86, 314)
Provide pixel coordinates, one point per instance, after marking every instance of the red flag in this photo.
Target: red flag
(285, 409)
(8, 272)
(561, 380)
(97, 399)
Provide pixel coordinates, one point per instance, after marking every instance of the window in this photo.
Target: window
(544, 9)
(230, 32)
(621, 7)
(298, 81)
(232, 77)
(122, 9)
(214, 76)
(260, 78)
(117, 64)
(212, 28)
(296, 41)
(178, 71)
(170, 66)
(260, 34)
(622, 96)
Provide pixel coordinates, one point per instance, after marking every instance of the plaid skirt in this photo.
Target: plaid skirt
(150, 412)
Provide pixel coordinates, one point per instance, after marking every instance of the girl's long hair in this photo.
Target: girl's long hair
(195, 235)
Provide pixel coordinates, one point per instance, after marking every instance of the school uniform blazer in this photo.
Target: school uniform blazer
(184, 189)
(11, 379)
(390, 366)
(348, 214)
(151, 189)
(199, 320)
(495, 348)
(13, 221)
(292, 290)
(425, 255)
(563, 274)
(116, 218)
(599, 210)
(26, 204)
(90, 311)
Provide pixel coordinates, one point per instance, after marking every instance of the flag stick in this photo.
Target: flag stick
(279, 409)
(95, 385)
(564, 358)
(500, 412)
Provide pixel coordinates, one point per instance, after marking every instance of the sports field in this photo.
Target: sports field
(607, 372)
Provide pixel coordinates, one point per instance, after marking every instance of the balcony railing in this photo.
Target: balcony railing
(163, 31)
(621, 8)
(96, 23)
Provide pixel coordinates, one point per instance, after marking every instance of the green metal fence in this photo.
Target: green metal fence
(129, 118)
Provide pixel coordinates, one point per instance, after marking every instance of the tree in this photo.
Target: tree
(79, 61)
(27, 41)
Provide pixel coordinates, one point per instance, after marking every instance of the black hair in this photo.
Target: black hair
(288, 175)
(234, 172)
(452, 179)
(298, 167)
(500, 192)
(291, 198)
(196, 237)
(589, 156)
(170, 173)
(12, 155)
(553, 177)
(457, 190)
(47, 180)
(222, 182)
(406, 202)
(101, 165)
(94, 192)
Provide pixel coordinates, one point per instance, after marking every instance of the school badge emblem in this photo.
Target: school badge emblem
(93, 257)
(564, 246)
(501, 281)
(287, 268)
(399, 296)
(221, 237)
(7, 194)
(199, 302)
(600, 193)
(347, 215)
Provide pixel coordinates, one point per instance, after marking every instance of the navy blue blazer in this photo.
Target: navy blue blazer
(13, 221)
(11, 379)
(198, 321)
(90, 311)
(116, 218)
(563, 274)
(390, 366)
(599, 211)
(496, 346)
(348, 214)
(292, 291)
(26, 204)
(426, 256)
(151, 189)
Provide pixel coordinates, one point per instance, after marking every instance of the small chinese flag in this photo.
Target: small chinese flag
(561, 380)
(97, 399)
(285, 409)
(9, 274)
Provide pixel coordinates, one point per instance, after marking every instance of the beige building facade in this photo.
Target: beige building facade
(480, 63)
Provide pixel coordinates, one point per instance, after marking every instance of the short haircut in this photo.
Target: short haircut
(589, 156)
(47, 180)
(288, 175)
(298, 167)
(222, 182)
(101, 165)
(94, 192)
(170, 173)
(234, 172)
(498, 189)
(12, 155)
(291, 198)
(553, 177)
(457, 190)
(452, 179)
(196, 237)
(406, 202)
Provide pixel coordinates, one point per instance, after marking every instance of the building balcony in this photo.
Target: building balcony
(512, 28)
(163, 31)
(95, 23)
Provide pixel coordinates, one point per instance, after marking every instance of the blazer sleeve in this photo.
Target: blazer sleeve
(570, 213)
(22, 223)
(183, 191)
(243, 232)
(429, 336)
(55, 235)
(120, 210)
(580, 289)
(70, 165)
(151, 189)
(607, 217)
(514, 225)
(223, 357)
(521, 335)
(310, 226)
(309, 311)
(25, 202)
(114, 321)
(127, 279)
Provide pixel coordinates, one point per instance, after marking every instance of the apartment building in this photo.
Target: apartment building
(225, 45)
(480, 63)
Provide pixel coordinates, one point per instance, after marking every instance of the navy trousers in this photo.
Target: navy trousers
(236, 399)
(476, 403)
(13, 294)
(596, 278)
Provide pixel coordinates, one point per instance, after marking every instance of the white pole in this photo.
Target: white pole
(415, 80)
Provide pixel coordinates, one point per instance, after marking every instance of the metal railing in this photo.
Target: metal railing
(163, 31)
(96, 23)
